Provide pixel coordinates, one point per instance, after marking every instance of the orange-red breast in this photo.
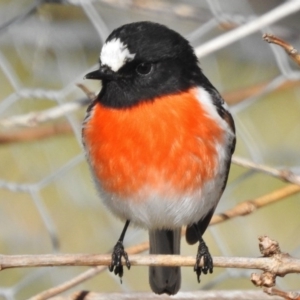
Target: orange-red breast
(159, 140)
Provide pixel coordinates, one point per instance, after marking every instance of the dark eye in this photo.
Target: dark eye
(144, 68)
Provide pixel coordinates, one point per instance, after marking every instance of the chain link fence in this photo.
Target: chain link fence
(47, 198)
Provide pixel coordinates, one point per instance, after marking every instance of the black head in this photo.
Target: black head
(141, 61)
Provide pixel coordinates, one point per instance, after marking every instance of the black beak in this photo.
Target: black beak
(104, 73)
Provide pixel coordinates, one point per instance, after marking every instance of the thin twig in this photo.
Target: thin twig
(90, 95)
(286, 295)
(84, 276)
(289, 49)
(35, 133)
(237, 34)
(248, 207)
(165, 8)
(285, 175)
(34, 118)
(237, 96)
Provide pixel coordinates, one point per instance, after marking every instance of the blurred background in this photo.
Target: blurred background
(48, 203)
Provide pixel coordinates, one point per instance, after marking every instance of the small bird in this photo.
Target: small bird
(159, 140)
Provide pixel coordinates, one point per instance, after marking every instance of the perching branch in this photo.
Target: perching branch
(273, 263)
(283, 266)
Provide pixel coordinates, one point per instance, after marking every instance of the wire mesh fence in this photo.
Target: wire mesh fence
(48, 201)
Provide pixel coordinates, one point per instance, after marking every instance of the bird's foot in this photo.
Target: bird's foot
(207, 261)
(116, 260)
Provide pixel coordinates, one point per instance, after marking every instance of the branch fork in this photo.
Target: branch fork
(267, 279)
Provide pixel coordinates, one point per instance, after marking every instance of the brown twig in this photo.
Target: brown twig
(286, 295)
(289, 49)
(285, 175)
(84, 276)
(35, 133)
(250, 206)
(90, 95)
(237, 96)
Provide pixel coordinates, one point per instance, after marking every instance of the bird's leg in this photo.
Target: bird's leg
(202, 252)
(119, 252)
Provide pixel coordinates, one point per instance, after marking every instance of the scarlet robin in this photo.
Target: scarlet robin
(159, 140)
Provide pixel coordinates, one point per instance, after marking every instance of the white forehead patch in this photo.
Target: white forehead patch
(115, 54)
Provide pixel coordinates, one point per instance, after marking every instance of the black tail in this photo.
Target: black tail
(165, 279)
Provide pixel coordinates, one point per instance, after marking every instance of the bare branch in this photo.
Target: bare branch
(289, 49)
(250, 206)
(84, 276)
(157, 7)
(234, 35)
(281, 267)
(273, 263)
(36, 133)
(34, 118)
(285, 175)
(237, 96)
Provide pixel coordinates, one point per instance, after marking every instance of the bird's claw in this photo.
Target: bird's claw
(116, 260)
(207, 261)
